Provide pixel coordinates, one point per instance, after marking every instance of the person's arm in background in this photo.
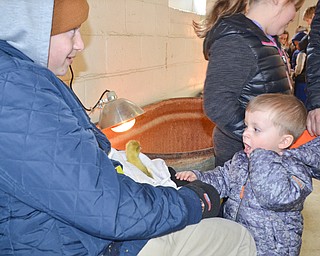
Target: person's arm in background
(301, 58)
(226, 75)
(313, 75)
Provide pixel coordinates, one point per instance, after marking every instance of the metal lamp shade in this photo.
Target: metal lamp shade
(117, 111)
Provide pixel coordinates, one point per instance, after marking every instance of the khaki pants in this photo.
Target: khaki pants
(215, 236)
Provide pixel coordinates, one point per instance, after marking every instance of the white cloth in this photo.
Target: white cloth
(158, 168)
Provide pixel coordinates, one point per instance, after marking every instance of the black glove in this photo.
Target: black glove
(179, 183)
(209, 197)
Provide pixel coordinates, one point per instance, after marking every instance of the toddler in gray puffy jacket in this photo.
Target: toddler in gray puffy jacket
(266, 184)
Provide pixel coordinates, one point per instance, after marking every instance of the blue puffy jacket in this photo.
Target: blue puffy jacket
(59, 191)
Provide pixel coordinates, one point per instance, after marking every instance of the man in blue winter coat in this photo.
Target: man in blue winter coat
(59, 191)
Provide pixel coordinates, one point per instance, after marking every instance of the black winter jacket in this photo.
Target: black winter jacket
(313, 63)
(243, 63)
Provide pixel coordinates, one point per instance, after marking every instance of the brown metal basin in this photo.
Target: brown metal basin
(175, 130)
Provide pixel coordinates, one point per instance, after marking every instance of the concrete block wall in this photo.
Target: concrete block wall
(142, 49)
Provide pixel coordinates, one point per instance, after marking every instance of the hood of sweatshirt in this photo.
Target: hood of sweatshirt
(308, 154)
(26, 25)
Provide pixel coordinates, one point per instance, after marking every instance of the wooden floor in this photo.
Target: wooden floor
(311, 232)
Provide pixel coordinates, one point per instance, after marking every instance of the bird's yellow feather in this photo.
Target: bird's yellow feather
(132, 153)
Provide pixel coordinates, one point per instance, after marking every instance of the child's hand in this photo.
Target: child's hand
(186, 175)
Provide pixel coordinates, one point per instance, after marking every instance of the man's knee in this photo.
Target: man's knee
(213, 236)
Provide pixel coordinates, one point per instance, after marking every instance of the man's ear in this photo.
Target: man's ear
(286, 141)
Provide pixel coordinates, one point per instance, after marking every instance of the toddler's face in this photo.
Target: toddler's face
(260, 132)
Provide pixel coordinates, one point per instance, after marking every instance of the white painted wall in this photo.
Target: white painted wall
(142, 49)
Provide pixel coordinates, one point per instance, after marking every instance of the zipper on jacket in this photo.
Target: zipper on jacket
(241, 195)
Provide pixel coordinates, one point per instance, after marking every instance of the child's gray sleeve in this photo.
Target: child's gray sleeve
(218, 177)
